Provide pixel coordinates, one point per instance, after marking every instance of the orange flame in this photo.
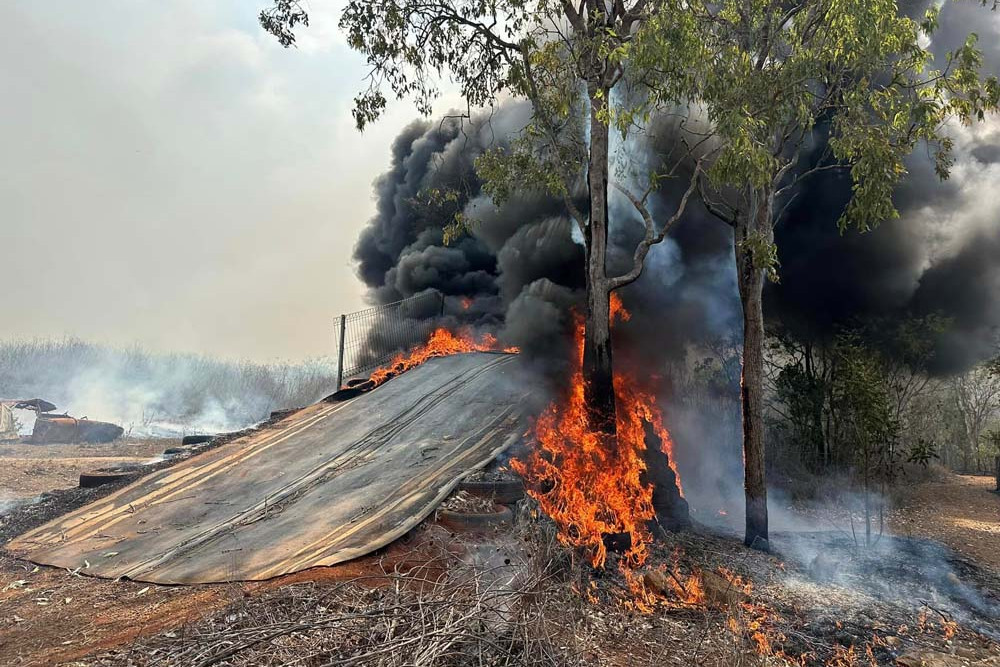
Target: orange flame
(758, 625)
(466, 302)
(442, 343)
(588, 481)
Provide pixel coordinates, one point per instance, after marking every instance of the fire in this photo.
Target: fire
(441, 344)
(757, 625)
(466, 303)
(683, 589)
(586, 481)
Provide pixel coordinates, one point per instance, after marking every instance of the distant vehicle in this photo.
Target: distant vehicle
(50, 429)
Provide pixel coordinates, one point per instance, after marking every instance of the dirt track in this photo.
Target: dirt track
(959, 511)
(28, 470)
(46, 612)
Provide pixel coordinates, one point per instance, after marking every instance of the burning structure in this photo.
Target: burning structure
(595, 487)
(518, 274)
(323, 485)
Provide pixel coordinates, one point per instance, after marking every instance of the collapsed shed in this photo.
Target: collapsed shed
(8, 425)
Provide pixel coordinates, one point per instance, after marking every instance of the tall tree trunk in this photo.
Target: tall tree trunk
(597, 363)
(598, 370)
(752, 233)
(967, 410)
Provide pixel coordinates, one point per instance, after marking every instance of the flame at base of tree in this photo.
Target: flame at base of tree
(441, 343)
(589, 482)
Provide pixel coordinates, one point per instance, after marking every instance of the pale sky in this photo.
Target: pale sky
(170, 176)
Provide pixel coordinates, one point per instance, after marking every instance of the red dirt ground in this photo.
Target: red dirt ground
(50, 616)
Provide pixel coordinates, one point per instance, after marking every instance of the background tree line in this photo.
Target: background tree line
(864, 397)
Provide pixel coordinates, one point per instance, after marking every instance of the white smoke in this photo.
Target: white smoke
(155, 394)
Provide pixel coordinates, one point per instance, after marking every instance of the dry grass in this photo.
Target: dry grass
(516, 599)
(476, 608)
(142, 390)
(519, 599)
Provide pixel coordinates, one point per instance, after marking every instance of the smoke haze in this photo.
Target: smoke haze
(172, 177)
(149, 394)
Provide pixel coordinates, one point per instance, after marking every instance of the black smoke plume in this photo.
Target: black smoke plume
(941, 256)
(519, 258)
(522, 264)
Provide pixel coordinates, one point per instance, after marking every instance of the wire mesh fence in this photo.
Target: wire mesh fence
(368, 338)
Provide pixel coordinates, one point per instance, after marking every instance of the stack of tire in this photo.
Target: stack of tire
(503, 493)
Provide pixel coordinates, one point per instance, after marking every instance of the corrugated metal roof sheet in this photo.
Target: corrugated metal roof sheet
(329, 483)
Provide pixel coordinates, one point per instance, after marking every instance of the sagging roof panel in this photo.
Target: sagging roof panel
(329, 483)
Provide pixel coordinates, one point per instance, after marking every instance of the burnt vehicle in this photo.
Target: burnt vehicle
(65, 429)
(50, 428)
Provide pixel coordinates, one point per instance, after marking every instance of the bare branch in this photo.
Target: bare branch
(652, 237)
(715, 208)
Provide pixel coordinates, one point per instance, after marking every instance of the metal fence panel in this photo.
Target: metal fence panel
(368, 338)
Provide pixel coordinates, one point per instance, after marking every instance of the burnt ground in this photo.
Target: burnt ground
(915, 596)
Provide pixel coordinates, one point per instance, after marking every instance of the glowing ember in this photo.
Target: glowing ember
(586, 481)
(758, 625)
(466, 303)
(666, 585)
(441, 344)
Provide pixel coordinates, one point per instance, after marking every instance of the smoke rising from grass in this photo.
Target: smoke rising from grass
(155, 394)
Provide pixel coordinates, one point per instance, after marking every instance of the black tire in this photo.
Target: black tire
(90, 480)
(502, 491)
(196, 439)
(347, 393)
(171, 451)
(475, 523)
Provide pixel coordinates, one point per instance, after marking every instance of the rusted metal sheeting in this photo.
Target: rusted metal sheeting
(327, 484)
(8, 427)
(50, 429)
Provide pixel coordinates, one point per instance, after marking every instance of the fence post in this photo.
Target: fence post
(340, 354)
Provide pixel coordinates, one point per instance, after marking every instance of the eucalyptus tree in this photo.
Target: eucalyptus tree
(977, 395)
(571, 60)
(792, 88)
